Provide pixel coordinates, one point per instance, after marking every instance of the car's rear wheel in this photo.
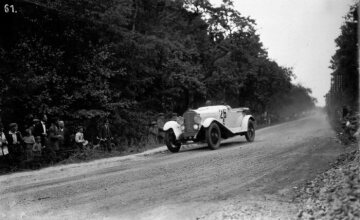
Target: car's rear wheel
(170, 140)
(213, 136)
(250, 134)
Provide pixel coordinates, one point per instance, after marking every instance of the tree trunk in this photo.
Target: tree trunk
(136, 9)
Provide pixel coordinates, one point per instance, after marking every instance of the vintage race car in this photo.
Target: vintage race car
(209, 124)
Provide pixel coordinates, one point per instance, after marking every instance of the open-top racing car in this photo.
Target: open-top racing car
(209, 124)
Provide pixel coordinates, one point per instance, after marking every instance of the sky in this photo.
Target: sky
(299, 34)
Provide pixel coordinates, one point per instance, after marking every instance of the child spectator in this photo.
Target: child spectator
(29, 141)
(37, 147)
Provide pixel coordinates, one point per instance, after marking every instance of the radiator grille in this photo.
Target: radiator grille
(189, 121)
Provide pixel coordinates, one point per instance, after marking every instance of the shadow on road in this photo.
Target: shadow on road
(204, 147)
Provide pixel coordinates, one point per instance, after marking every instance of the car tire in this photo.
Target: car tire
(250, 134)
(213, 136)
(170, 141)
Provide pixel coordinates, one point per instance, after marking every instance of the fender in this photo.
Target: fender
(206, 123)
(225, 132)
(175, 127)
(245, 121)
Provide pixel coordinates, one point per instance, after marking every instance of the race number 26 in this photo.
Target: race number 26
(223, 115)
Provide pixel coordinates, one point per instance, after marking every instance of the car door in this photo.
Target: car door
(234, 120)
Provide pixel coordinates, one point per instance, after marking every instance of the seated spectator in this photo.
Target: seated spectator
(79, 138)
(37, 147)
(29, 142)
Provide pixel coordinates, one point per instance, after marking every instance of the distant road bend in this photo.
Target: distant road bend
(239, 180)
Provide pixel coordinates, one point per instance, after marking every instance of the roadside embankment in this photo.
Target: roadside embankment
(334, 194)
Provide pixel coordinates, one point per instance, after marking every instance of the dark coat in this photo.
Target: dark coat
(15, 148)
(105, 133)
(38, 130)
(10, 139)
(65, 138)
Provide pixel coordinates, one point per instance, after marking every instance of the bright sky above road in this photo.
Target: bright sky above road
(299, 34)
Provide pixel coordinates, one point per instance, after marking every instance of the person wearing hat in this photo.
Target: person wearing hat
(41, 130)
(105, 136)
(15, 139)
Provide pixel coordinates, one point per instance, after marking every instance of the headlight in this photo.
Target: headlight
(196, 126)
(197, 119)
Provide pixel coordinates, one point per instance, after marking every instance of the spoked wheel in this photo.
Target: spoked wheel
(250, 134)
(170, 140)
(213, 136)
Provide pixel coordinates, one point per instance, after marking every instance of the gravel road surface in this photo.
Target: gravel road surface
(239, 181)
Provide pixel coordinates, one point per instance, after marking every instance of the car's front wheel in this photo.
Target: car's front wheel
(250, 134)
(213, 136)
(170, 140)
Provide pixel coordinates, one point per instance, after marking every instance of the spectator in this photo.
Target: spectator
(79, 138)
(4, 151)
(153, 133)
(53, 139)
(15, 143)
(174, 116)
(40, 130)
(160, 124)
(37, 148)
(208, 103)
(34, 123)
(106, 136)
(29, 141)
(63, 132)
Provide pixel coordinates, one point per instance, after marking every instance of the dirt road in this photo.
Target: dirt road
(240, 180)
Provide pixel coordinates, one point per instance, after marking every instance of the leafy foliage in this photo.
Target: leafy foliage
(344, 64)
(131, 59)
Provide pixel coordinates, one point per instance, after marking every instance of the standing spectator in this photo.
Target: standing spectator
(14, 139)
(153, 132)
(40, 130)
(29, 142)
(4, 151)
(79, 138)
(37, 148)
(63, 132)
(106, 136)
(53, 139)
(174, 116)
(160, 123)
(34, 123)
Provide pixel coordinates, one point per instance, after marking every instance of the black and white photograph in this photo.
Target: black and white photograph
(179, 110)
